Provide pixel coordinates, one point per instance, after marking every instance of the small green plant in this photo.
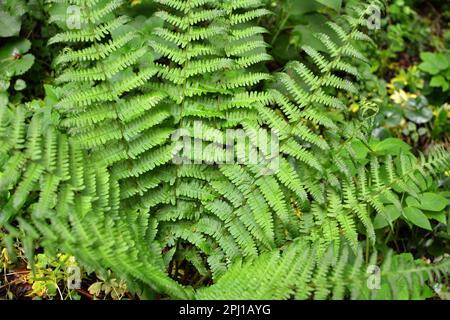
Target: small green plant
(408, 114)
(437, 66)
(15, 58)
(108, 286)
(49, 277)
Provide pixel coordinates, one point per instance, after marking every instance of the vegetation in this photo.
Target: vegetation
(224, 149)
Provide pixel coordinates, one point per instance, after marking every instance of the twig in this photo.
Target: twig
(84, 293)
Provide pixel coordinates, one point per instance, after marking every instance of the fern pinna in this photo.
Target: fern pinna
(94, 174)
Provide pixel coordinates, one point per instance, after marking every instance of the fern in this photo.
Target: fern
(95, 175)
(61, 198)
(300, 271)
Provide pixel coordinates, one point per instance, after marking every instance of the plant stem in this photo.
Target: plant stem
(280, 28)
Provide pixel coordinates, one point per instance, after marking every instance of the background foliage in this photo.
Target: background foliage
(86, 177)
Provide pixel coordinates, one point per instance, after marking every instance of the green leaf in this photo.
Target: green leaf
(439, 81)
(419, 116)
(412, 202)
(3, 99)
(20, 85)
(298, 8)
(334, 4)
(9, 25)
(418, 110)
(360, 149)
(13, 60)
(392, 212)
(391, 146)
(438, 216)
(417, 217)
(8, 50)
(19, 66)
(95, 288)
(433, 63)
(305, 32)
(432, 202)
